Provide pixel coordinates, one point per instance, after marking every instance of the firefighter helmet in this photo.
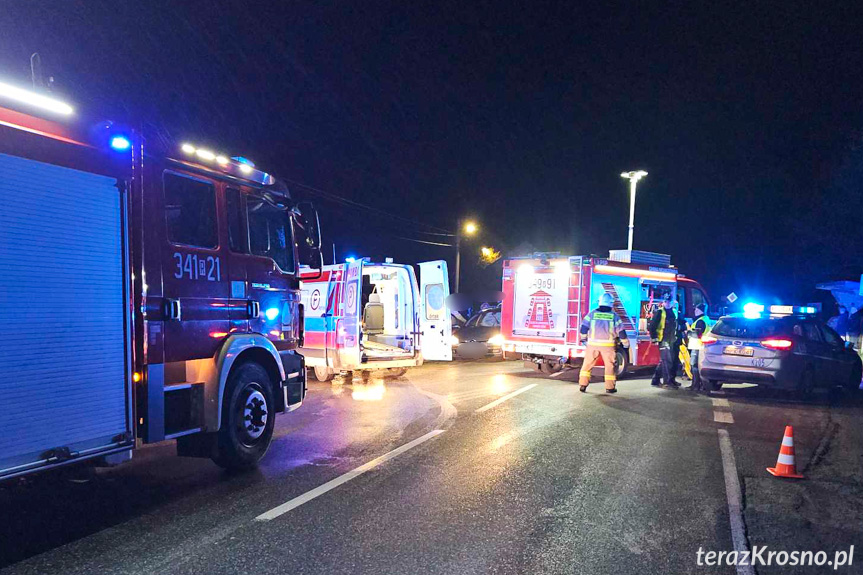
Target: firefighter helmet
(606, 299)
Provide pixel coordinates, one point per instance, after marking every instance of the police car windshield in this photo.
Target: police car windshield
(744, 328)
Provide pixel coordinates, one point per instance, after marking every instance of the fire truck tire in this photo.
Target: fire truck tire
(621, 363)
(550, 367)
(248, 418)
(397, 371)
(323, 373)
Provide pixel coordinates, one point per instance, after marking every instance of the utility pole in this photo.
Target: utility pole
(464, 228)
(633, 178)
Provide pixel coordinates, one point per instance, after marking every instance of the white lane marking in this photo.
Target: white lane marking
(559, 373)
(720, 402)
(735, 501)
(723, 417)
(332, 484)
(500, 400)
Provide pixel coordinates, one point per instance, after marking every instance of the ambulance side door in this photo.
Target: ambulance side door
(435, 320)
(348, 326)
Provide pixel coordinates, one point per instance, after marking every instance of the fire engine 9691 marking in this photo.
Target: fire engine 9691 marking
(190, 266)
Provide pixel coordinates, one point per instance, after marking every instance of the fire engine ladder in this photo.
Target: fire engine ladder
(574, 313)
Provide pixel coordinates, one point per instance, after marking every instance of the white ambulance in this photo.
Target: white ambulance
(364, 316)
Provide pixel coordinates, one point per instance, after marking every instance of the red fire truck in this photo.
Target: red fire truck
(546, 296)
(149, 290)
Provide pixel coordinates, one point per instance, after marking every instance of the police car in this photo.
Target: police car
(783, 346)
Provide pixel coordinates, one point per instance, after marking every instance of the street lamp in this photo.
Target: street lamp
(633, 178)
(467, 228)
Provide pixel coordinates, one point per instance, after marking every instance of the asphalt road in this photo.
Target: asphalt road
(524, 475)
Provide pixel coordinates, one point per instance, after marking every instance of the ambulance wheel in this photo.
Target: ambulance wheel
(621, 362)
(323, 373)
(248, 418)
(550, 367)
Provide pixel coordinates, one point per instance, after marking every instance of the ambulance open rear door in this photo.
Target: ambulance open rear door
(349, 325)
(435, 321)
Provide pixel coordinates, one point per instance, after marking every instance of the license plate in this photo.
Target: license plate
(734, 350)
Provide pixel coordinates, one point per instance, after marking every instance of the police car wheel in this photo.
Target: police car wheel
(856, 376)
(248, 418)
(806, 384)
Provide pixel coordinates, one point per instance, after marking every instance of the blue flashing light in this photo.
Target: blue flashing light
(350, 259)
(242, 160)
(752, 307)
(272, 313)
(752, 310)
(120, 143)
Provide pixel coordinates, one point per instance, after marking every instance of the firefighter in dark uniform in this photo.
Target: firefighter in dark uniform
(603, 328)
(696, 330)
(663, 330)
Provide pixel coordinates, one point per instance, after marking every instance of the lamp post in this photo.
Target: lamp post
(468, 228)
(633, 178)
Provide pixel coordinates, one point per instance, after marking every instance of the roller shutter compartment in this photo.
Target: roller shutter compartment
(64, 375)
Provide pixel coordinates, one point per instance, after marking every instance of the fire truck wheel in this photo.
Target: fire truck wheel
(247, 418)
(621, 363)
(323, 373)
(397, 371)
(549, 367)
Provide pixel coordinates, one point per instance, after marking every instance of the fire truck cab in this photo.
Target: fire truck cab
(546, 296)
(149, 290)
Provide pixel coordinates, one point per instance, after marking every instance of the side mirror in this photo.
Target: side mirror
(849, 345)
(308, 235)
(307, 218)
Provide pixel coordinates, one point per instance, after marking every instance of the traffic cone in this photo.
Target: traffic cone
(785, 466)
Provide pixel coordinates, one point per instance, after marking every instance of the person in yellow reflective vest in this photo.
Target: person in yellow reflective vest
(663, 330)
(603, 328)
(696, 330)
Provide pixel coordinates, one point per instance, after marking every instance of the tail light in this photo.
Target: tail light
(708, 339)
(777, 344)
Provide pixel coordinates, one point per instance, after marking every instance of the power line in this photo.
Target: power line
(424, 242)
(380, 227)
(352, 203)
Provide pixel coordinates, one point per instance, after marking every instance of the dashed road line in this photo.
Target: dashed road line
(723, 417)
(506, 397)
(342, 479)
(720, 402)
(735, 500)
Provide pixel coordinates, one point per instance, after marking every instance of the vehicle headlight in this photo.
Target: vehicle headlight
(453, 341)
(496, 340)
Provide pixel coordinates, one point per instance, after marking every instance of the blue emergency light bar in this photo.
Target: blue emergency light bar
(754, 310)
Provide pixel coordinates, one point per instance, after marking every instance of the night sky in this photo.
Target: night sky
(748, 117)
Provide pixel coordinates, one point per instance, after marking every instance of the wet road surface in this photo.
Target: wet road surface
(467, 467)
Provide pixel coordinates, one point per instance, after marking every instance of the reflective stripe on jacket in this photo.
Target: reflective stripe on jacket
(603, 328)
(694, 337)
